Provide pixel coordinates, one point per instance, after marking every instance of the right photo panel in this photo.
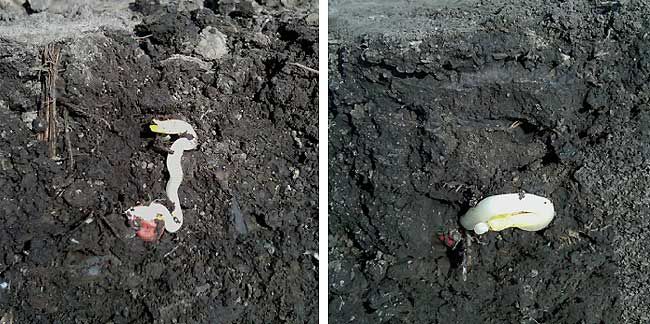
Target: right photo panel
(488, 161)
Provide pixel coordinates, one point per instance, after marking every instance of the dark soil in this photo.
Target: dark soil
(435, 105)
(246, 251)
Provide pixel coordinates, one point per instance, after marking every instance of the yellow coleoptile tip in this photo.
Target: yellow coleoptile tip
(155, 128)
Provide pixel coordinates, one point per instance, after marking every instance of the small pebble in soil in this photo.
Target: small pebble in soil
(212, 45)
(39, 5)
(312, 19)
(269, 248)
(237, 218)
(93, 271)
(203, 288)
(313, 254)
(534, 273)
(294, 135)
(29, 116)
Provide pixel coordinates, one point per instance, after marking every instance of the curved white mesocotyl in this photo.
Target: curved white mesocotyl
(188, 141)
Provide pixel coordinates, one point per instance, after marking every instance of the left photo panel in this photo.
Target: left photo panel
(158, 161)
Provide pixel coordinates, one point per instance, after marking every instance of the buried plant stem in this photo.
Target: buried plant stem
(50, 65)
(68, 142)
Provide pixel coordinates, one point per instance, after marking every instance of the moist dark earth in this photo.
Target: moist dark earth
(434, 105)
(247, 250)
